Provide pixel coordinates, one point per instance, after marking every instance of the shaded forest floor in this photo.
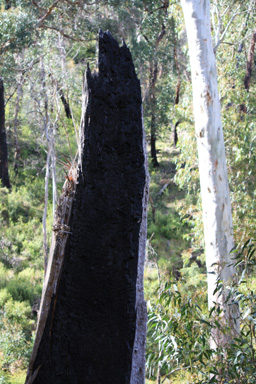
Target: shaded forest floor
(166, 230)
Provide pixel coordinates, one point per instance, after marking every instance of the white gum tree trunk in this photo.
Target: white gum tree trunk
(215, 193)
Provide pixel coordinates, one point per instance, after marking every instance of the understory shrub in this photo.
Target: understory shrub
(180, 326)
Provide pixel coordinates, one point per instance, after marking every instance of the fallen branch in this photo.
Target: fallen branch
(164, 187)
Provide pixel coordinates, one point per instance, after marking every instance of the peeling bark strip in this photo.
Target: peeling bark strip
(95, 316)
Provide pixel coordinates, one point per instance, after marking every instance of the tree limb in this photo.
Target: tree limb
(161, 35)
(40, 8)
(40, 21)
(219, 40)
(173, 371)
(63, 33)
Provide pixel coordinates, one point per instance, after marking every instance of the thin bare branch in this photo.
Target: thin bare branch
(36, 5)
(173, 371)
(40, 21)
(160, 36)
(64, 34)
(226, 29)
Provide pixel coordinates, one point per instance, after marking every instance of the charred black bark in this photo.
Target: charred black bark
(4, 174)
(65, 103)
(89, 333)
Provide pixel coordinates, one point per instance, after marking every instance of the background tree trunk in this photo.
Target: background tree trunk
(16, 124)
(65, 103)
(153, 76)
(4, 174)
(212, 161)
(248, 76)
(92, 324)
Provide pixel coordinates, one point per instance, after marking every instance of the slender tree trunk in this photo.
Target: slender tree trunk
(49, 131)
(249, 64)
(212, 162)
(47, 167)
(175, 126)
(16, 124)
(54, 179)
(152, 95)
(92, 322)
(65, 103)
(177, 67)
(153, 76)
(63, 59)
(4, 174)
(46, 188)
(175, 134)
(50, 167)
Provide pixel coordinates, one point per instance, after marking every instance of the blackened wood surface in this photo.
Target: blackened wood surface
(90, 330)
(4, 175)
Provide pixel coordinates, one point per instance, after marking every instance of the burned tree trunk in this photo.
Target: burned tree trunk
(4, 174)
(92, 324)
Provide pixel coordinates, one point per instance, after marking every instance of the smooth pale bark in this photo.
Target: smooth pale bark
(212, 161)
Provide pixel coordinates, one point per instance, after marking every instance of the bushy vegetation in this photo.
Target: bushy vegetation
(179, 324)
(180, 327)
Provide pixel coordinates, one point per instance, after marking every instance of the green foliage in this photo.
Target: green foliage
(13, 345)
(16, 26)
(177, 331)
(168, 226)
(3, 275)
(180, 327)
(4, 297)
(22, 289)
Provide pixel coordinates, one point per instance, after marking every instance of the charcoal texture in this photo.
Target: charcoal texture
(90, 330)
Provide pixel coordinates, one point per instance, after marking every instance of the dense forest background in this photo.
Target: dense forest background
(45, 47)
